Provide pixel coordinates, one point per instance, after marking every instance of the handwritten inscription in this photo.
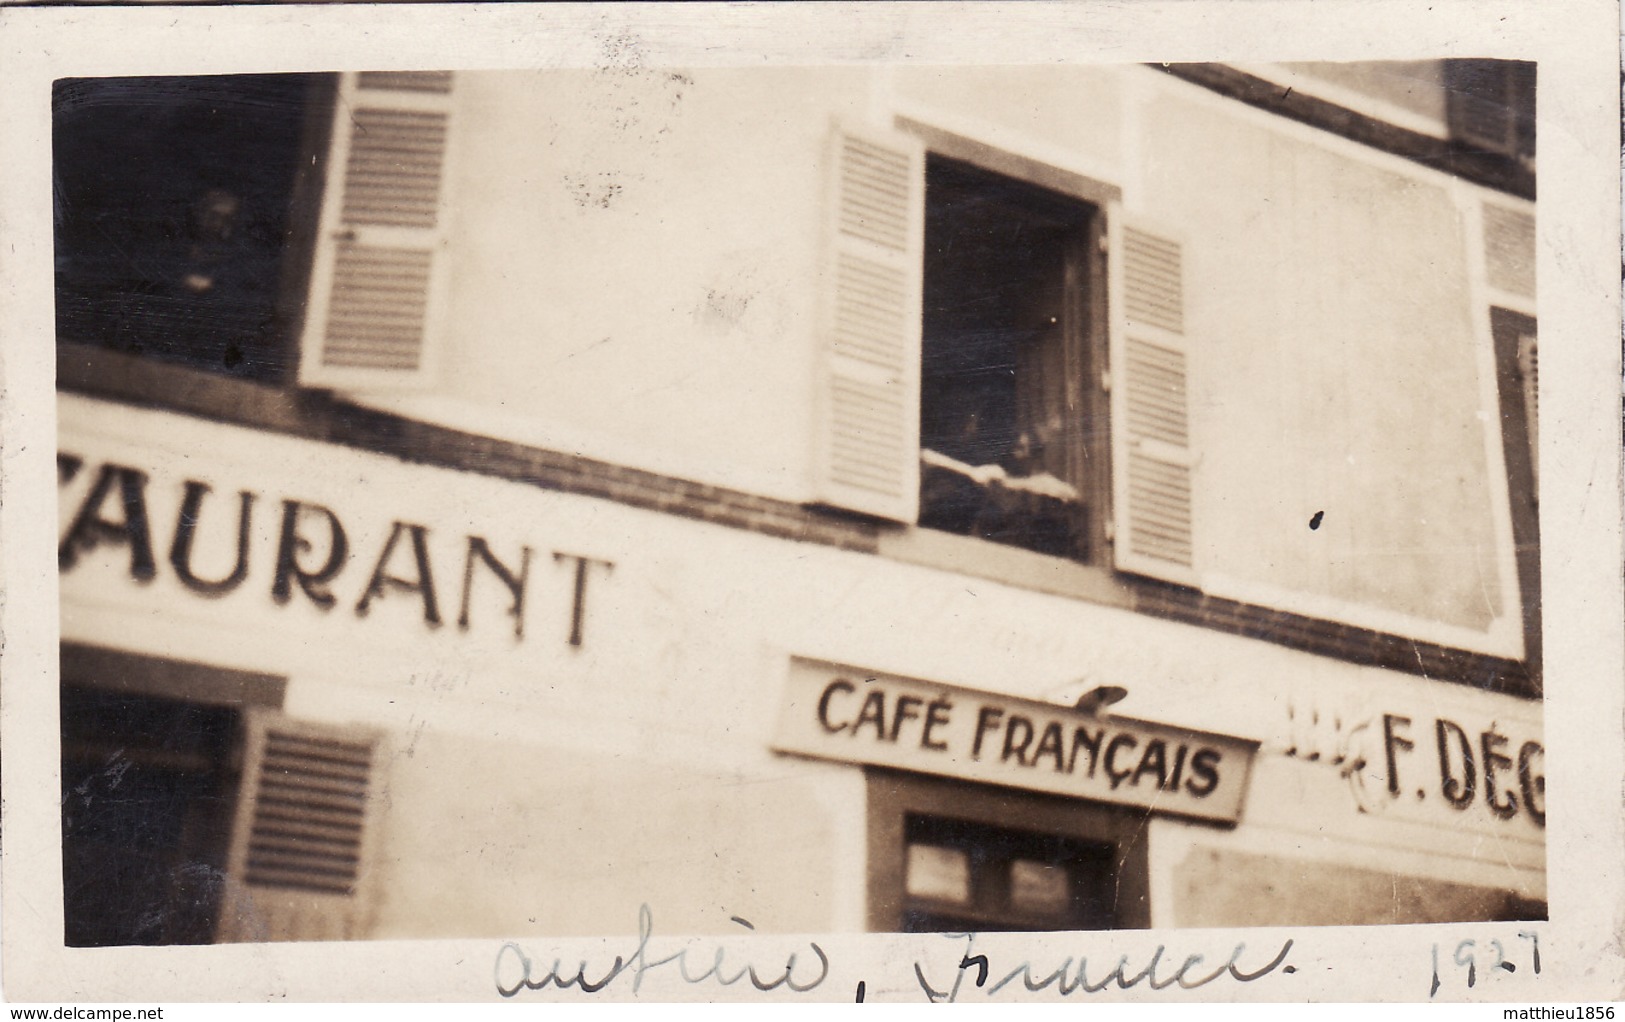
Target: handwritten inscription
(517, 971)
(940, 978)
(1075, 975)
(1477, 962)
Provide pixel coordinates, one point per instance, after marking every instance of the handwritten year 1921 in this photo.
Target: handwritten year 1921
(1485, 960)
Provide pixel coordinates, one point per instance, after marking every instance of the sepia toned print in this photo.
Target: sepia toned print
(822, 499)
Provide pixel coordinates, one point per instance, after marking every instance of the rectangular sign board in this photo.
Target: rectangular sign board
(843, 713)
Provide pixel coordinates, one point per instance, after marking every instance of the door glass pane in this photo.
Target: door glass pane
(1039, 887)
(938, 873)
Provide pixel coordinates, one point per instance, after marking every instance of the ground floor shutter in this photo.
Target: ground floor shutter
(300, 861)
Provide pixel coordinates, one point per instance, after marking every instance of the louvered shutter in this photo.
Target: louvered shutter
(867, 457)
(1151, 440)
(299, 866)
(1490, 105)
(379, 273)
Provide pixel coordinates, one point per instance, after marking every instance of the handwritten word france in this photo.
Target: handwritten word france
(312, 558)
(1072, 975)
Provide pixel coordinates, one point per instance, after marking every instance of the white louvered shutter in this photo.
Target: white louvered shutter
(1151, 440)
(299, 865)
(868, 449)
(379, 273)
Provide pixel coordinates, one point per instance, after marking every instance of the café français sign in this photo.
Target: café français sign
(855, 716)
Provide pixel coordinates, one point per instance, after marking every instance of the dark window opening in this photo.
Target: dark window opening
(148, 794)
(1491, 106)
(961, 876)
(178, 202)
(1011, 434)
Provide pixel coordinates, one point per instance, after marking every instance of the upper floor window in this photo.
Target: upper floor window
(174, 213)
(1517, 373)
(1012, 431)
(972, 316)
(234, 224)
(1013, 353)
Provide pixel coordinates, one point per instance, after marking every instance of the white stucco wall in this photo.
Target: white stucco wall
(540, 787)
(635, 259)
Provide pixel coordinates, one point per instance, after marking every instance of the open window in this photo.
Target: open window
(1003, 355)
(147, 797)
(1013, 427)
(151, 757)
(233, 224)
(180, 202)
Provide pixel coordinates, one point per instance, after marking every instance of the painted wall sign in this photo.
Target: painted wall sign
(313, 558)
(844, 713)
(1472, 770)
(1504, 774)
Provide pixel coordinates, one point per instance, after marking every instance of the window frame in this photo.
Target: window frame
(892, 796)
(1085, 327)
(182, 683)
(1327, 627)
(990, 854)
(1095, 580)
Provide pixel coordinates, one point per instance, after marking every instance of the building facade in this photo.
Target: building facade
(841, 499)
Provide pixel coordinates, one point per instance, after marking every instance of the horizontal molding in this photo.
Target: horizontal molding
(1332, 638)
(318, 416)
(1492, 170)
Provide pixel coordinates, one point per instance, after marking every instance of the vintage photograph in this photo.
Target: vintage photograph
(856, 498)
